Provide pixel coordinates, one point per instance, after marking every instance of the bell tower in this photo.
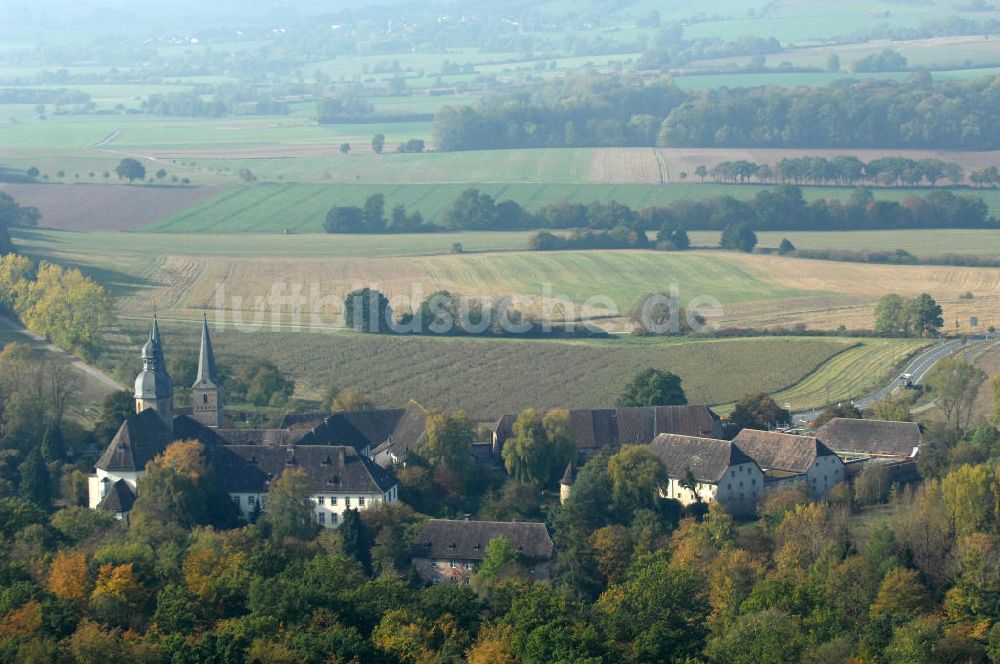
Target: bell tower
(206, 393)
(153, 387)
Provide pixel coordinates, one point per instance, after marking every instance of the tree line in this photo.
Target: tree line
(777, 209)
(846, 170)
(626, 110)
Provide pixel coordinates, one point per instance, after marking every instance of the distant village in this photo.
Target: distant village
(349, 459)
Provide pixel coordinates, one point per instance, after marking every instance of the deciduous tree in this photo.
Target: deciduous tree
(652, 387)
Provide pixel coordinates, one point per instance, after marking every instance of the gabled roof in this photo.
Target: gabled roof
(396, 430)
(706, 458)
(639, 426)
(140, 438)
(118, 499)
(844, 434)
(773, 450)
(329, 469)
(613, 427)
(467, 540)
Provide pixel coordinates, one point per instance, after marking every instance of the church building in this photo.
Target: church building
(339, 473)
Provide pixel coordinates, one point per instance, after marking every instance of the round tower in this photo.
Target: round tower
(153, 387)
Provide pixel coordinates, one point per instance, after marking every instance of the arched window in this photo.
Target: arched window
(204, 399)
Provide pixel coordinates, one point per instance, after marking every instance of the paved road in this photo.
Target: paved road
(73, 360)
(917, 368)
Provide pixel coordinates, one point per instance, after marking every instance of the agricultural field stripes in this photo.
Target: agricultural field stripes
(302, 207)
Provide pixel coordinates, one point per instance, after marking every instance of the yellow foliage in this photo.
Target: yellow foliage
(691, 547)
(118, 581)
(65, 307)
(186, 457)
(612, 547)
(492, 646)
(733, 575)
(68, 576)
(901, 595)
(22, 621)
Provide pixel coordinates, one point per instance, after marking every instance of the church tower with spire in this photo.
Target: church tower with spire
(206, 393)
(153, 387)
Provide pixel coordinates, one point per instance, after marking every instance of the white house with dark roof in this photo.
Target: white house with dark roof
(244, 461)
(786, 457)
(451, 551)
(707, 470)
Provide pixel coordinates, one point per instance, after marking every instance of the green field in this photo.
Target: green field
(487, 378)
(302, 207)
(566, 166)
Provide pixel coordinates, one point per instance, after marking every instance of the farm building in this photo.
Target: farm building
(786, 457)
(244, 460)
(592, 430)
(852, 438)
(452, 551)
(718, 469)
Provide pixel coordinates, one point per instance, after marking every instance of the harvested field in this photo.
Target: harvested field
(622, 165)
(88, 207)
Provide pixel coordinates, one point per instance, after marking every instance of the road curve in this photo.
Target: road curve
(917, 368)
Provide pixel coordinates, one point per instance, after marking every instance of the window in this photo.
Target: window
(320, 500)
(361, 501)
(204, 399)
(333, 519)
(236, 499)
(333, 500)
(347, 502)
(321, 517)
(454, 564)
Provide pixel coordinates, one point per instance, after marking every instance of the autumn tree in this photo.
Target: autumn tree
(351, 399)
(289, 506)
(636, 478)
(449, 441)
(955, 384)
(612, 547)
(872, 485)
(68, 576)
(901, 596)
(970, 495)
(179, 489)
